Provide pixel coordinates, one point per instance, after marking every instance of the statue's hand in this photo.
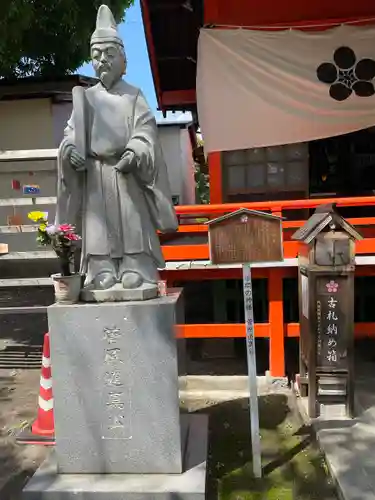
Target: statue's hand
(127, 163)
(78, 162)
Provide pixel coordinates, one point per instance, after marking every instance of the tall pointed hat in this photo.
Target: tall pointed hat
(106, 27)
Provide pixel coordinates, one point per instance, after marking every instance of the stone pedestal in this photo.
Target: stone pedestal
(119, 432)
(47, 484)
(115, 383)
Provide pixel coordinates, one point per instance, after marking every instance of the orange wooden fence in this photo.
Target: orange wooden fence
(192, 217)
(191, 222)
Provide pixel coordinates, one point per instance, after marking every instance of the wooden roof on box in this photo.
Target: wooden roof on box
(322, 217)
(243, 211)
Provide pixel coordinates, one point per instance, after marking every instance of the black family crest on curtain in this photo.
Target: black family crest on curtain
(347, 75)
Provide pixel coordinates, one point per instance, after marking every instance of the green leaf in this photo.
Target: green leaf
(48, 38)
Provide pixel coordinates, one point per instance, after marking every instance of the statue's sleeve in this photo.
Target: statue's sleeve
(151, 169)
(69, 192)
(143, 140)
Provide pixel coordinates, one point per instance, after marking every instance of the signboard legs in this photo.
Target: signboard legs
(252, 370)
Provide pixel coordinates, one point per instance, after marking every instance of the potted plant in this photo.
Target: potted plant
(64, 241)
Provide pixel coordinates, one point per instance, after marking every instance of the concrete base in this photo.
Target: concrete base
(119, 294)
(47, 484)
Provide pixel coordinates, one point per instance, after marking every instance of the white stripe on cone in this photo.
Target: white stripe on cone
(45, 405)
(46, 383)
(46, 362)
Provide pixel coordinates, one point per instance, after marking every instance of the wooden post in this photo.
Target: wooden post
(252, 370)
(246, 237)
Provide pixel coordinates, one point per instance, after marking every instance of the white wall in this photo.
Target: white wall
(187, 160)
(26, 124)
(176, 146)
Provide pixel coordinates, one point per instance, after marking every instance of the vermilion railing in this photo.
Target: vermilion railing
(273, 206)
(192, 220)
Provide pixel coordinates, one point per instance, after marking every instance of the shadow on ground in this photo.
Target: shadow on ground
(22, 329)
(224, 356)
(27, 329)
(21, 341)
(293, 467)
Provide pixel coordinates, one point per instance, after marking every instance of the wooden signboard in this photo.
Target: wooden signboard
(245, 236)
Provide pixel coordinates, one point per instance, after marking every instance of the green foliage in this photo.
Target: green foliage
(202, 184)
(48, 38)
(202, 179)
(43, 239)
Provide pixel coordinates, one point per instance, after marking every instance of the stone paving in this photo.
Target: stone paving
(349, 445)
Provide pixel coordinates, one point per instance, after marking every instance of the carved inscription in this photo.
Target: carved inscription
(118, 415)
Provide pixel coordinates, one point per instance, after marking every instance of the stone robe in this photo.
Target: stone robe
(117, 213)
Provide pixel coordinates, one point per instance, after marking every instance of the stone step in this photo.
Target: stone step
(224, 386)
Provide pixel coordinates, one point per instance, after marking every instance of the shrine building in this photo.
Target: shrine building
(282, 93)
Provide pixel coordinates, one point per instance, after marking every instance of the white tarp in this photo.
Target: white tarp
(265, 88)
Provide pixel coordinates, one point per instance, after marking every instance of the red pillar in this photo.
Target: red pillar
(210, 12)
(276, 320)
(216, 185)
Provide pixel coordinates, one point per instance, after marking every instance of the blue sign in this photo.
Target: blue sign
(31, 189)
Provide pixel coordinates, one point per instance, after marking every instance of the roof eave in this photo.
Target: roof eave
(244, 211)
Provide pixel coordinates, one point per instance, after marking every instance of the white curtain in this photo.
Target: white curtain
(266, 88)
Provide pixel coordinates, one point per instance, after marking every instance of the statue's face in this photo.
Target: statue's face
(108, 62)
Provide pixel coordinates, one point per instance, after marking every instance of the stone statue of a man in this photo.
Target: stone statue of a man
(112, 178)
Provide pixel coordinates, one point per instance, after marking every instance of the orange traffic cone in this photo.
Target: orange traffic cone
(43, 429)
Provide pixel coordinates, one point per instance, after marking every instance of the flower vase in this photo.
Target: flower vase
(67, 288)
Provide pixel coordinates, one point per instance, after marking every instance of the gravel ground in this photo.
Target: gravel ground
(18, 401)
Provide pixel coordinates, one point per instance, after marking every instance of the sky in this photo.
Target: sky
(138, 70)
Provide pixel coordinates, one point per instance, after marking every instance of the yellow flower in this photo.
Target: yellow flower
(37, 216)
(43, 227)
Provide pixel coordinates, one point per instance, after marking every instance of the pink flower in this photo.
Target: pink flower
(72, 237)
(66, 228)
(332, 286)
